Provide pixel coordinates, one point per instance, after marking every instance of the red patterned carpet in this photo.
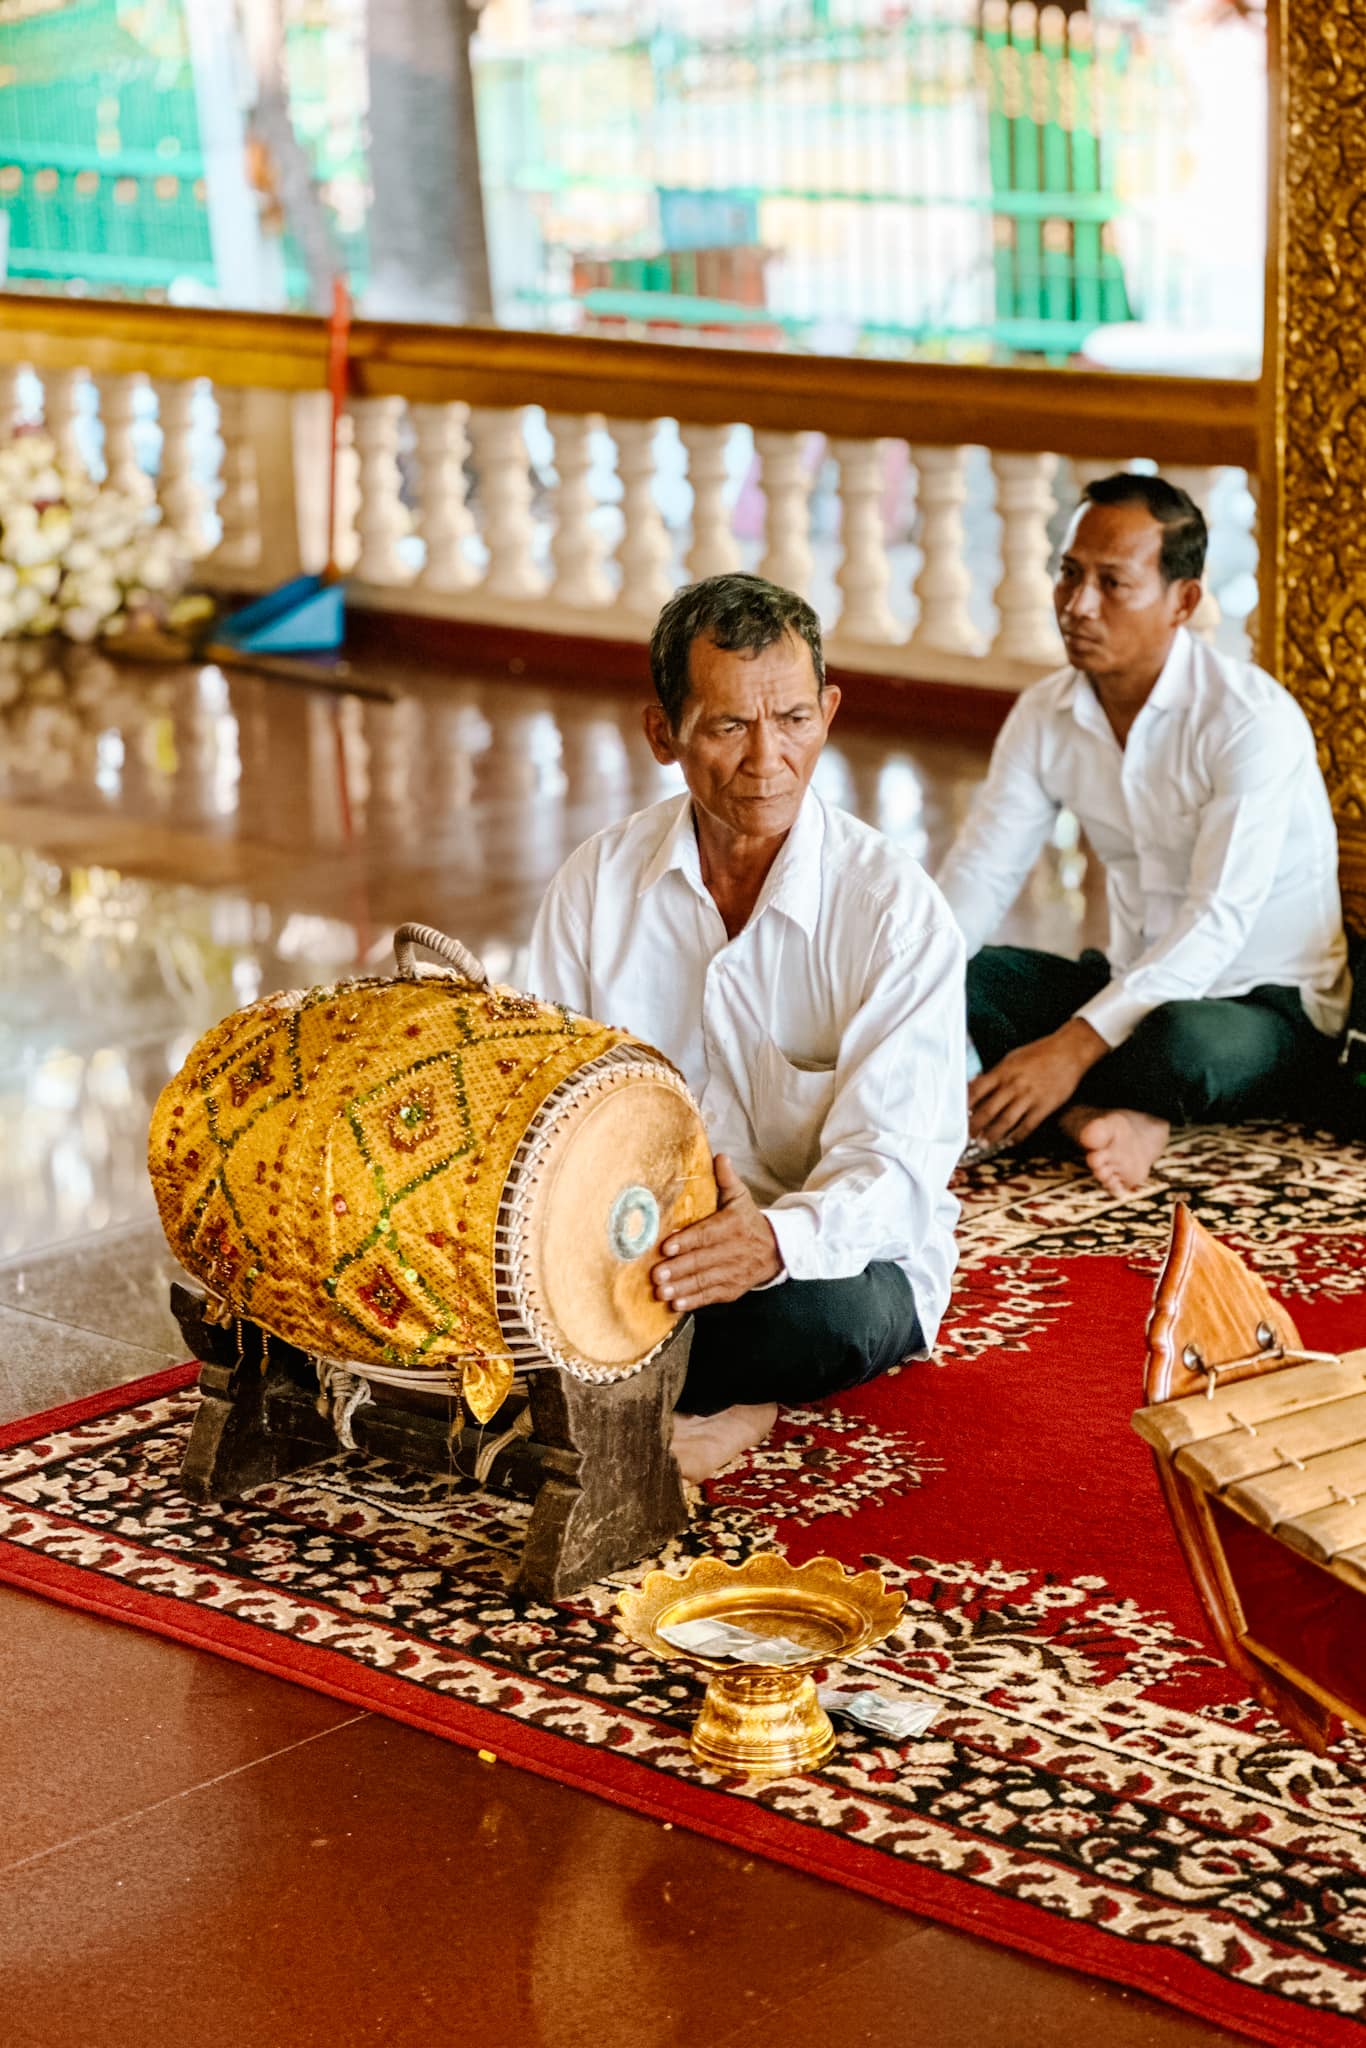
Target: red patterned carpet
(1094, 1788)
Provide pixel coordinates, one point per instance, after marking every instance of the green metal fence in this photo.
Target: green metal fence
(102, 175)
(100, 169)
(958, 177)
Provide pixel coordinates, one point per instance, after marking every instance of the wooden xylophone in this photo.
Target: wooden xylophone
(1260, 1448)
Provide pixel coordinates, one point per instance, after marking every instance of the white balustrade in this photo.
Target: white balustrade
(475, 498)
(119, 415)
(63, 391)
(504, 475)
(714, 550)
(576, 549)
(1198, 484)
(1024, 596)
(786, 483)
(943, 587)
(864, 573)
(181, 496)
(645, 552)
(442, 439)
(239, 510)
(382, 520)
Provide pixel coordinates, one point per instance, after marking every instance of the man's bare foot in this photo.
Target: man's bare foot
(1121, 1145)
(704, 1443)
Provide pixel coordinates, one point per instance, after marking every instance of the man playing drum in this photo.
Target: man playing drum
(806, 977)
(1195, 780)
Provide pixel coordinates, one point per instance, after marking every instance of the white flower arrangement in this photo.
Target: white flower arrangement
(80, 558)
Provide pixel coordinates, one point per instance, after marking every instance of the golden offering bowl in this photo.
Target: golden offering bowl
(762, 1716)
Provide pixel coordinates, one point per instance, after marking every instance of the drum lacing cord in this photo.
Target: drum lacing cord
(341, 1393)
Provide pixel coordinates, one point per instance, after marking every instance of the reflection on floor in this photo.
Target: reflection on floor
(189, 1851)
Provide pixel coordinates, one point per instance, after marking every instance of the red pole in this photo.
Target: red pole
(338, 355)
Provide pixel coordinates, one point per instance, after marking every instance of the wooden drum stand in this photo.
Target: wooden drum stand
(595, 1460)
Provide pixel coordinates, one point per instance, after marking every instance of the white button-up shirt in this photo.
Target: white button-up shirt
(825, 1042)
(1212, 823)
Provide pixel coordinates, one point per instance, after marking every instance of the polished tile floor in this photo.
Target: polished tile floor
(194, 1854)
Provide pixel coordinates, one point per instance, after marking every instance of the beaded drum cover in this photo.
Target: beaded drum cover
(330, 1164)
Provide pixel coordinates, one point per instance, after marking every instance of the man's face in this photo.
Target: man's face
(1116, 614)
(751, 731)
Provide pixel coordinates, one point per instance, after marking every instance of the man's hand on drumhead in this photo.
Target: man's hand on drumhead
(724, 1255)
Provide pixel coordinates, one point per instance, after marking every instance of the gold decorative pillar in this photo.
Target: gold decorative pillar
(1313, 468)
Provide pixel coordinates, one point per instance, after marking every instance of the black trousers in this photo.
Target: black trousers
(1214, 1061)
(800, 1341)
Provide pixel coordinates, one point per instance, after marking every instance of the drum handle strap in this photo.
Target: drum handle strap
(409, 937)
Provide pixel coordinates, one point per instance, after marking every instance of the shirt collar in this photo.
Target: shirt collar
(1172, 687)
(793, 883)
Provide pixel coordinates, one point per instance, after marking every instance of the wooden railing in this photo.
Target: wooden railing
(437, 512)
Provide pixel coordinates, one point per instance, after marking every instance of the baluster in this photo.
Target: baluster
(1198, 484)
(179, 492)
(863, 573)
(505, 495)
(943, 587)
(62, 412)
(786, 484)
(383, 519)
(1089, 469)
(346, 510)
(446, 523)
(119, 411)
(239, 510)
(1024, 596)
(645, 551)
(575, 549)
(10, 402)
(713, 551)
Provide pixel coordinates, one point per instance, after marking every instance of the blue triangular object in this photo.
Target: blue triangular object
(304, 616)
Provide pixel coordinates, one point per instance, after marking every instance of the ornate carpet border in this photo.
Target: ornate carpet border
(740, 1823)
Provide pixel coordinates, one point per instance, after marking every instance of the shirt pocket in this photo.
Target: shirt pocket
(791, 1104)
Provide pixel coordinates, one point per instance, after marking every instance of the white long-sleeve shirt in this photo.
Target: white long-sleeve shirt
(1212, 823)
(824, 1043)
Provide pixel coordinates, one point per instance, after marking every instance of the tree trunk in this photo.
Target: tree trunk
(428, 250)
(271, 126)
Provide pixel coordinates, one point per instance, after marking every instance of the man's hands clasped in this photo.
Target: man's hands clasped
(724, 1255)
(1013, 1098)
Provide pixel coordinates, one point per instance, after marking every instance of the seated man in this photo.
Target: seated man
(807, 979)
(1196, 782)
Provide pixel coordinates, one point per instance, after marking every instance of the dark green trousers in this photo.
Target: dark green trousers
(800, 1341)
(1214, 1061)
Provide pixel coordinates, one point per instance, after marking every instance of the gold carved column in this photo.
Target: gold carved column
(1313, 468)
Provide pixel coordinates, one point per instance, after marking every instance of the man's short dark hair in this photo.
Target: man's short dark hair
(1185, 536)
(743, 614)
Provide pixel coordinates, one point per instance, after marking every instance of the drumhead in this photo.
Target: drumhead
(625, 1164)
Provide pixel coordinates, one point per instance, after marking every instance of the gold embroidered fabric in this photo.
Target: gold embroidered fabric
(330, 1164)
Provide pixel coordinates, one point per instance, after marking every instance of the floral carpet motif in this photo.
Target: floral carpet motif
(1094, 1788)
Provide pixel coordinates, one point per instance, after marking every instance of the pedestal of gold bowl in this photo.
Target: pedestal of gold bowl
(762, 1722)
(761, 1716)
